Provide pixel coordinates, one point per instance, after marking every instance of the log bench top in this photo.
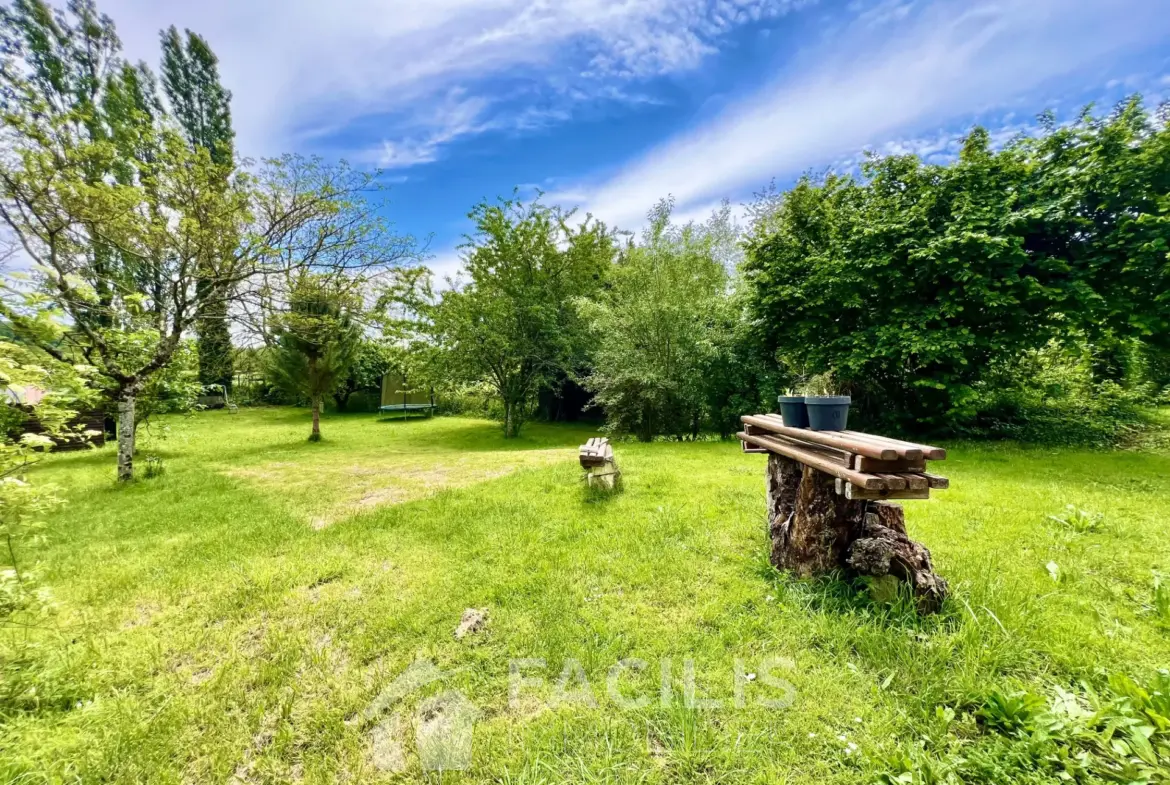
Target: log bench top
(595, 452)
(866, 466)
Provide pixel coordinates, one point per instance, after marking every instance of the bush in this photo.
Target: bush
(474, 400)
(921, 284)
(1120, 733)
(1051, 396)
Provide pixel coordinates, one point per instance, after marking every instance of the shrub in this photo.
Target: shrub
(1051, 396)
(1120, 733)
(919, 282)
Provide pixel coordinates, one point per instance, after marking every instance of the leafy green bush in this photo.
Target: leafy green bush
(654, 328)
(1120, 733)
(921, 282)
(1051, 396)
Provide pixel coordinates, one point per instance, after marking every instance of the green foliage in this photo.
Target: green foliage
(1051, 395)
(824, 383)
(175, 388)
(24, 507)
(371, 361)
(513, 324)
(409, 348)
(1080, 521)
(655, 328)
(202, 107)
(1161, 598)
(317, 340)
(917, 281)
(154, 467)
(1120, 733)
(116, 212)
(200, 102)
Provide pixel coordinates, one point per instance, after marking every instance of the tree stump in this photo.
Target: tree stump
(814, 531)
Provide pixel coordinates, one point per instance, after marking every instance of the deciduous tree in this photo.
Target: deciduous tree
(317, 339)
(513, 324)
(654, 330)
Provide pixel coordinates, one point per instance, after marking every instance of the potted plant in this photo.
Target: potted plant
(793, 410)
(827, 411)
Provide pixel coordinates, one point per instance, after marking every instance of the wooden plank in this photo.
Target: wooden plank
(941, 483)
(927, 451)
(814, 460)
(853, 492)
(895, 482)
(903, 450)
(873, 465)
(826, 438)
(863, 446)
(850, 491)
(839, 457)
(916, 482)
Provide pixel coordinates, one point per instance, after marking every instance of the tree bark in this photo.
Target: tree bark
(511, 428)
(126, 437)
(814, 531)
(315, 436)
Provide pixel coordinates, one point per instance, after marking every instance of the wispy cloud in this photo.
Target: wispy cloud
(455, 116)
(300, 66)
(868, 86)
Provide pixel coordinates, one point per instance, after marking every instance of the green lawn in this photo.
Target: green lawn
(232, 620)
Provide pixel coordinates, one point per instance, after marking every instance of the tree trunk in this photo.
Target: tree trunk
(814, 531)
(510, 428)
(315, 436)
(126, 437)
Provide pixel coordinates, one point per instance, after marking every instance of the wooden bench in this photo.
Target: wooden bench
(829, 499)
(867, 467)
(596, 457)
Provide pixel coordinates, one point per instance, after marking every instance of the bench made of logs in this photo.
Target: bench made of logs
(829, 509)
(869, 467)
(596, 456)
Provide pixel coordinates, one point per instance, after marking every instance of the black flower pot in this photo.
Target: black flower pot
(793, 411)
(827, 412)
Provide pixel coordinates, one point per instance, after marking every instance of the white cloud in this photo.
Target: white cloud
(866, 87)
(454, 117)
(298, 67)
(447, 265)
(423, 134)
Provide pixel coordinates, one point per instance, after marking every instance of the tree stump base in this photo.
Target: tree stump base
(814, 531)
(600, 465)
(604, 477)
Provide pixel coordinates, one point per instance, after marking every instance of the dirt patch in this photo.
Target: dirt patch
(331, 493)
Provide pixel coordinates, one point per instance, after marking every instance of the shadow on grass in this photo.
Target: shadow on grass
(388, 418)
(888, 605)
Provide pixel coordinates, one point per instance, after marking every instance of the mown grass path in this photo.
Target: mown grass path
(230, 619)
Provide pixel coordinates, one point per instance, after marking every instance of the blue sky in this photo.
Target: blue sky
(612, 105)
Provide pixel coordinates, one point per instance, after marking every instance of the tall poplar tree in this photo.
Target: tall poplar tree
(201, 104)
